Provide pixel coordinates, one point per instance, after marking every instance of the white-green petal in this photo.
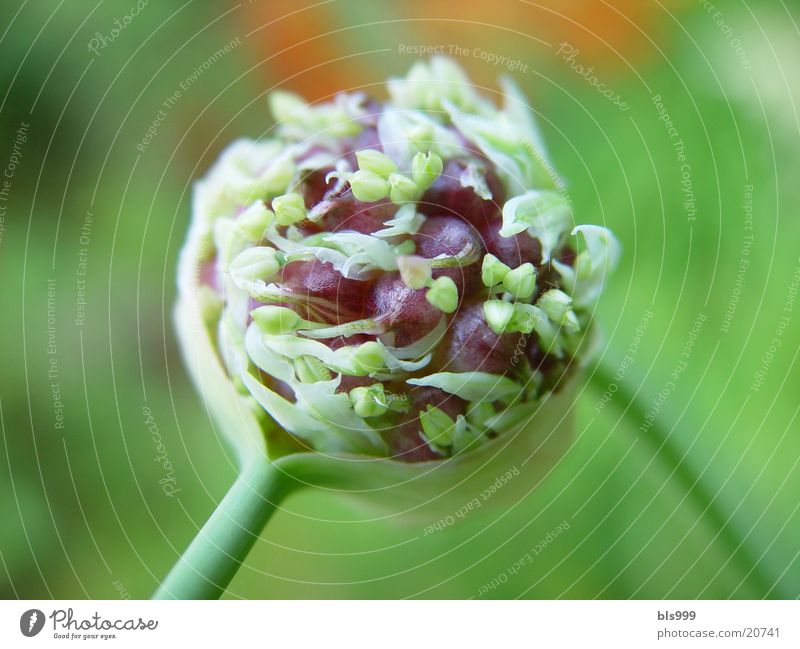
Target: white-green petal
(475, 177)
(544, 214)
(341, 360)
(303, 121)
(415, 271)
(518, 111)
(265, 358)
(517, 161)
(593, 264)
(437, 428)
(428, 84)
(346, 329)
(465, 435)
(331, 431)
(353, 254)
(471, 386)
(364, 249)
(406, 221)
(404, 133)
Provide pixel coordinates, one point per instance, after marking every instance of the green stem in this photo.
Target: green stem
(218, 550)
(738, 546)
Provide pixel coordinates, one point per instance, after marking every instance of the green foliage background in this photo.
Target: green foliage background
(83, 513)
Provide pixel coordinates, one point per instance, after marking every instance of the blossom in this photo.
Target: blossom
(400, 280)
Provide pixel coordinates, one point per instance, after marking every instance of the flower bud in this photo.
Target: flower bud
(498, 314)
(558, 307)
(402, 189)
(257, 263)
(521, 282)
(284, 105)
(383, 310)
(437, 427)
(443, 294)
(274, 179)
(369, 401)
(254, 221)
(420, 135)
(289, 209)
(276, 320)
(379, 359)
(376, 162)
(368, 187)
(425, 169)
(493, 271)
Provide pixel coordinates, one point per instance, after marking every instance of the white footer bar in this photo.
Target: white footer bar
(406, 624)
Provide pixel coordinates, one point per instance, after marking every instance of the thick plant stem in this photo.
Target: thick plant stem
(750, 560)
(217, 552)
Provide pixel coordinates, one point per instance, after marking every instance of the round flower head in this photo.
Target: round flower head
(399, 280)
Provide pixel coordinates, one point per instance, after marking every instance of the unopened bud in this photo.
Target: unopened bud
(376, 162)
(555, 304)
(285, 105)
(443, 294)
(289, 209)
(437, 426)
(276, 320)
(420, 135)
(368, 186)
(521, 282)
(402, 189)
(479, 412)
(425, 169)
(493, 270)
(254, 221)
(497, 314)
(525, 318)
(276, 178)
(558, 307)
(255, 263)
(369, 401)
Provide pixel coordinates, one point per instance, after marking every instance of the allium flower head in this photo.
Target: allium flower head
(401, 279)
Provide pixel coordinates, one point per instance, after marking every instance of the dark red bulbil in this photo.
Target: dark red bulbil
(447, 196)
(344, 212)
(404, 311)
(471, 346)
(512, 251)
(448, 235)
(325, 291)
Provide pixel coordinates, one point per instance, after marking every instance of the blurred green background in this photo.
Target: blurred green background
(702, 503)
